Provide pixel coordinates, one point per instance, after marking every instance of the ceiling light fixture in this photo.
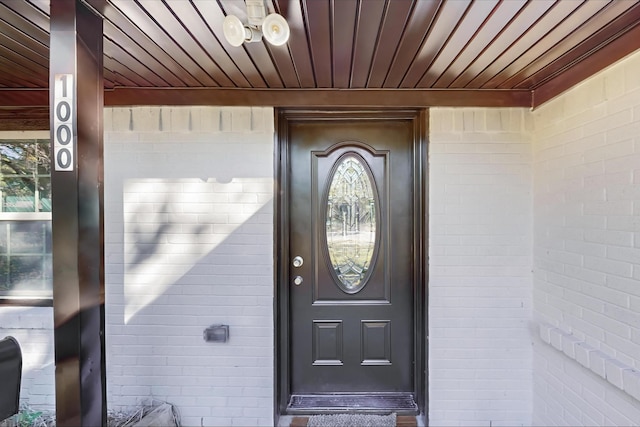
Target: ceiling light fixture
(273, 27)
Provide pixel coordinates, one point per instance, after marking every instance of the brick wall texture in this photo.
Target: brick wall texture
(188, 244)
(587, 252)
(480, 267)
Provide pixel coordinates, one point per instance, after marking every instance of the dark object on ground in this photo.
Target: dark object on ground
(11, 374)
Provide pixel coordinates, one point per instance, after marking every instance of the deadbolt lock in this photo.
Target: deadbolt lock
(298, 261)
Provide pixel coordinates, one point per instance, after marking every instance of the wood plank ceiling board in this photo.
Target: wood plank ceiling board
(145, 75)
(23, 58)
(282, 56)
(43, 5)
(616, 49)
(124, 76)
(157, 35)
(505, 79)
(113, 35)
(447, 20)
(124, 33)
(193, 22)
(468, 27)
(260, 56)
(109, 78)
(29, 61)
(414, 35)
(452, 52)
(504, 12)
(283, 63)
(24, 45)
(25, 26)
(317, 15)
(24, 52)
(31, 13)
(367, 39)
(394, 22)
(176, 31)
(120, 73)
(529, 38)
(298, 41)
(344, 28)
(593, 35)
(509, 33)
(16, 75)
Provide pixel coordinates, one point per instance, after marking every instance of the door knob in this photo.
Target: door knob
(298, 261)
(298, 280)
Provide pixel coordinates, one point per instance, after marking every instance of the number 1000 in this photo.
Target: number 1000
(63, 137)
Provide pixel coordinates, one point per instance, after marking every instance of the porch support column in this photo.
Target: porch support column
(76, 111)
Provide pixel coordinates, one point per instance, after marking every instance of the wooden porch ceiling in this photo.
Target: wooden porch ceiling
(340, 53)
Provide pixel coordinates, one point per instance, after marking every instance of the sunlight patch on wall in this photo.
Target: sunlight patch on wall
(173, 230)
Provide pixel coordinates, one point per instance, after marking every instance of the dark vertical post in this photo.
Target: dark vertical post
(76, 110)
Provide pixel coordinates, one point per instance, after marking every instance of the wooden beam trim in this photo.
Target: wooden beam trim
(24, 118)
(590, 64)
(418, 98)
(24, 98)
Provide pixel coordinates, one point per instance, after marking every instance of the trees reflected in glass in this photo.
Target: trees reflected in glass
(351, 222)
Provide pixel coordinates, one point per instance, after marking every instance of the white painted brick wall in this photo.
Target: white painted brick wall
(189, 238)
(480, 358)
(587, 251)
(33, 328)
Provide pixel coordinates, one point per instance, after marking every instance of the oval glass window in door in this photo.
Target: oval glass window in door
(351, 222)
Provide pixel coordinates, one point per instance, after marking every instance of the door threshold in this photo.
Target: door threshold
(379, 403)
(303, 421)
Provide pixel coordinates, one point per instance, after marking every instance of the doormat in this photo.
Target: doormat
(352, 420)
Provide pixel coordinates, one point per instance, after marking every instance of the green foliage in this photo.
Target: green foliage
(27, 418)
(24, 174)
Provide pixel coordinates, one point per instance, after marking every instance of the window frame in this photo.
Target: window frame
(24, 300)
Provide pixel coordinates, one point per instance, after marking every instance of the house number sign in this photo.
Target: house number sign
(64, 140)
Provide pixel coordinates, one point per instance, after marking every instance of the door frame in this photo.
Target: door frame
(281, 254)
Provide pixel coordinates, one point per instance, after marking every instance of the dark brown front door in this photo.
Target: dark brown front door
(351, 268)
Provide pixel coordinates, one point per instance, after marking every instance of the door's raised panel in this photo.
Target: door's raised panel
(327, 342)
(376, 342)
